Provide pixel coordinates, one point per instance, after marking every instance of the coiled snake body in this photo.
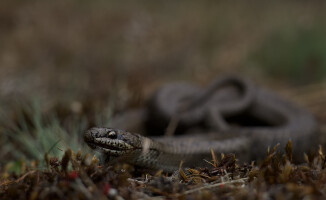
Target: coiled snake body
(213, 108)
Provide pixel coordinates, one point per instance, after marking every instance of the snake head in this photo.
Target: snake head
(112, 142)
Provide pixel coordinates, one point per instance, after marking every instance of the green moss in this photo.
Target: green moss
(298, 55)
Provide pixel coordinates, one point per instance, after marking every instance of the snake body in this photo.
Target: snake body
(286, 121)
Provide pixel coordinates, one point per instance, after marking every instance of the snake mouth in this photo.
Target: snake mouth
(112, 147)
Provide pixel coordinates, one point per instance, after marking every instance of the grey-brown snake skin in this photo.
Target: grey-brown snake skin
(286, 121)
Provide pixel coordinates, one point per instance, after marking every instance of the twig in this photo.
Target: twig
(213, 186)
(24, 176)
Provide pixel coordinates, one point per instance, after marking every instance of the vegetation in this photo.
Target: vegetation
(298, 55)
(276, 177)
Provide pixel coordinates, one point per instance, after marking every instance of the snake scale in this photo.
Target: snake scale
(216, 109)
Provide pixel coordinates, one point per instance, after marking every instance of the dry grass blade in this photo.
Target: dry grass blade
(215, 163)
(182, 173)
(288, 150)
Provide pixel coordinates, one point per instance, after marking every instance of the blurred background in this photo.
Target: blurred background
(68, 65)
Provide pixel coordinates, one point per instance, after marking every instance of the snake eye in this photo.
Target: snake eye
(112, 135)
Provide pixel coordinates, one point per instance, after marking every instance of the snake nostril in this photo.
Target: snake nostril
(112, 135)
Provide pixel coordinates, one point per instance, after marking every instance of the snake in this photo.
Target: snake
(225, 99)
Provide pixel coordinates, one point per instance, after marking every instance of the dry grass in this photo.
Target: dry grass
(78, 176)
